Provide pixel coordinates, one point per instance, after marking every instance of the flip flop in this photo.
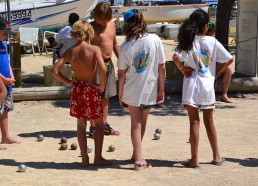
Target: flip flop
(218, 163)
(189, 165)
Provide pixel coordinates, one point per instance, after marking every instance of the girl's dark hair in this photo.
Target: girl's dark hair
(190, 28)
(135, 27)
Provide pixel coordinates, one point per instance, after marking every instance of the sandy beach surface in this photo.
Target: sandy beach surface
(236, 125)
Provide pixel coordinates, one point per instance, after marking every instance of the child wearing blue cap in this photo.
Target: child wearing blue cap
(141, 74)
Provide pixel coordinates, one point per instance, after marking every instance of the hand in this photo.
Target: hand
(160, 98)
(100, 88)
(9, 82)
(122, 104)
(187, 71)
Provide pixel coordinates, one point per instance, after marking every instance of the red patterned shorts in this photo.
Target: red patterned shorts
(85, 101)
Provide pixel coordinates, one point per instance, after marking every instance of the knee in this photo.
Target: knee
(195, 123)
(228, 71)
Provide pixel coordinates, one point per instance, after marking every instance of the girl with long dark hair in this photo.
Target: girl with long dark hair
(196, 56)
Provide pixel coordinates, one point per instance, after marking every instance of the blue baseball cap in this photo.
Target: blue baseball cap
(129, 14)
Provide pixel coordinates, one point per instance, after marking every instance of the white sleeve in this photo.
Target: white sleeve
(121, 61)
(58, 36)
(160, 52)
(181, 55)
(222, 55)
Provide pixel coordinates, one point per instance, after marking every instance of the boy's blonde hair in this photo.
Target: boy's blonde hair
(82, 31)
(102, 11)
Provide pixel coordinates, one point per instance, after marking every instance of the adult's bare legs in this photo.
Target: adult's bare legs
(82, 140)
(98, 139)
(5, 131)
(194, 134)
(226, 78)
(138, 126)
(211, 133)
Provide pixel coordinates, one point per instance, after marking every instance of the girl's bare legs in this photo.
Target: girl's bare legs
(211, 133)
(4, 130)
(143, 126)
(194, 134)
(82, 140)
(98, 139)
(138, 125)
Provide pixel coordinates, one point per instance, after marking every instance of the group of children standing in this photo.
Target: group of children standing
(141, 76)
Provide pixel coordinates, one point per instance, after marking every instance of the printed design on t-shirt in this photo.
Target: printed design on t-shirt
(141, 61)
(202, 60)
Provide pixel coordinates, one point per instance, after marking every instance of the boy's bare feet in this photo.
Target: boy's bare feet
(2, 147)
(226, 99)
(85, 162)
(102, 162)
(10, 141)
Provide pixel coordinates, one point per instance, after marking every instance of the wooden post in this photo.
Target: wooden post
(16, 58)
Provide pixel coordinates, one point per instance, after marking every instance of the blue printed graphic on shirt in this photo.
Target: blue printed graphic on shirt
(202, 61)
(141, 62)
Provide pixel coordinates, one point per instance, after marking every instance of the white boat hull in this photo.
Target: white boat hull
(47, 14)
(155, 14)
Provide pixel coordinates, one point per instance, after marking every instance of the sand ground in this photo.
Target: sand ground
(236, 125)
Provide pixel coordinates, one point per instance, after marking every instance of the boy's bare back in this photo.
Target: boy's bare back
(83, 58)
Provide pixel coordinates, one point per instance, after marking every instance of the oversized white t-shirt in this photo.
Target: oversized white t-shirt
(206, 51)
(141, 58)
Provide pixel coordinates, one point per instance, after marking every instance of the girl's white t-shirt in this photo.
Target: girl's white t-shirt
(141, 58)
(206, 51)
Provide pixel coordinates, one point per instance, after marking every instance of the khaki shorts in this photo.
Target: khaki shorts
(7, 105)
(111, 88)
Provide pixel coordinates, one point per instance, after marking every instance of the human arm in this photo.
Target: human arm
(186, 71)
(55, 71)
(3, 91)
(161, 83)
(121, 81)
(8, 81)
(116, 48)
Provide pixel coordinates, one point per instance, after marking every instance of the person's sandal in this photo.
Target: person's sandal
(92, 132)
(110, 131)
(141, 165)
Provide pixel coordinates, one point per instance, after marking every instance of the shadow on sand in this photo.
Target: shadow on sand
(248, 162)
(76, 165)
(172, 106)
(51, 134)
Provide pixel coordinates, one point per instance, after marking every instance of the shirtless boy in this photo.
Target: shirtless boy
(85, 99)
(105, 38)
